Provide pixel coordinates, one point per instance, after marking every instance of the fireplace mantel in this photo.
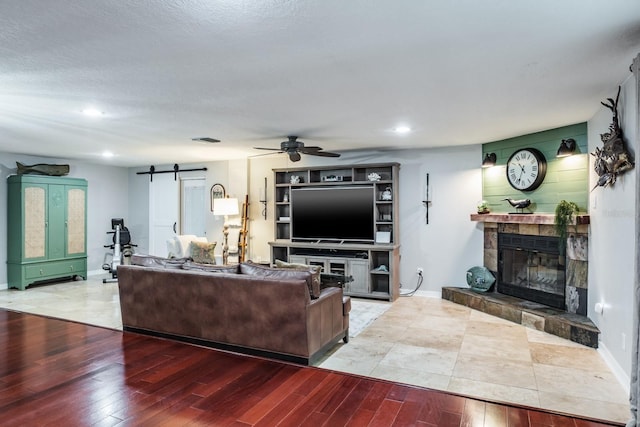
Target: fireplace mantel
(541, 219)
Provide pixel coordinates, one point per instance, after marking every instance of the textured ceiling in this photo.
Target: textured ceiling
(339, 73)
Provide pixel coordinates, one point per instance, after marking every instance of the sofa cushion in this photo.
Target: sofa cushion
(202, 252)
(156, 261)
(280, 273)
(315, 270)
(229, 269)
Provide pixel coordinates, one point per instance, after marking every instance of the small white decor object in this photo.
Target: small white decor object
(373, 177)
(383, 237)
(386, 194)
(295, 179)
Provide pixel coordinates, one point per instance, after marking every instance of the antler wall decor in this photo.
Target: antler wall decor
(613, 159)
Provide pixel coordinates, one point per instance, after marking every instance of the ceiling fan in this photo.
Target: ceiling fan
(294, 148)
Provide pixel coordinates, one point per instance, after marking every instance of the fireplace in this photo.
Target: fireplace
(531, 267)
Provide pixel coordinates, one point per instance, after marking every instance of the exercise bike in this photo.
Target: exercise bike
(122, 249)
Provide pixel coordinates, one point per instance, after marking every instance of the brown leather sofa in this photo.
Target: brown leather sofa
(255, 310)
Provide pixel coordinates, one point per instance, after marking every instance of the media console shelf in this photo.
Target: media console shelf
(374, 264)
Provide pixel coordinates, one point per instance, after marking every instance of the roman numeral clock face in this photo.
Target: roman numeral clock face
(526, 169)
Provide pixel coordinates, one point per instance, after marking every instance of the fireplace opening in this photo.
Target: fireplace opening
(531, 267)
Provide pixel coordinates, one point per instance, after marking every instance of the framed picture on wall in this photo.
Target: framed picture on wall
(217, 192)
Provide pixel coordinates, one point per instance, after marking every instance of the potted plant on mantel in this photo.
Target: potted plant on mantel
(565, 214)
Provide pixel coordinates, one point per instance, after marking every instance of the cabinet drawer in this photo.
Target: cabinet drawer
(56, 268)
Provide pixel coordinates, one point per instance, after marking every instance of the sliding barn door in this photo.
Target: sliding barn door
(164, 211)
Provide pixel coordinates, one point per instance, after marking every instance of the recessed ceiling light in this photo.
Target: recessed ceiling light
(92, 112)
(402, 129)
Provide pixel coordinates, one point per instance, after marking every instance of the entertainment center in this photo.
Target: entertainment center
(343, 219)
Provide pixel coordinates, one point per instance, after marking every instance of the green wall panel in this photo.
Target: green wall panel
(566, 178)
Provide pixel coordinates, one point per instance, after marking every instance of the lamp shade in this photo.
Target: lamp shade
(225, 206)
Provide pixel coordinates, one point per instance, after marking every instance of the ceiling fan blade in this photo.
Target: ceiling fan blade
(309, 150)
(323, 153)
(294, 156)
(270, 149)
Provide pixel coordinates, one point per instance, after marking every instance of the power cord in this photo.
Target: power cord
(420, 280)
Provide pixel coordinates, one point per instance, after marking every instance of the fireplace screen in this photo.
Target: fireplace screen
(531, 268)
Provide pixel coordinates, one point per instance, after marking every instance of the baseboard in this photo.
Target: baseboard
(615, 367)
(4, 286)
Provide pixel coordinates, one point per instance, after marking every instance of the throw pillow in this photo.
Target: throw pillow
(315, 270)
(202, 252)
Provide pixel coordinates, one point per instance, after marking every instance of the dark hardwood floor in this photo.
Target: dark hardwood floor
(60, 373)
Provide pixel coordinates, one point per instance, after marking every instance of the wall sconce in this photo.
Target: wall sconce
(567, 147)
(264, 199)
(489, 160)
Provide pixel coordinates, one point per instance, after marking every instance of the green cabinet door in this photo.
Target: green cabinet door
(75, 220)
(29, 208)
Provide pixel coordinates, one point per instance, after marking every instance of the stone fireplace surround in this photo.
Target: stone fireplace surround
(571, 323)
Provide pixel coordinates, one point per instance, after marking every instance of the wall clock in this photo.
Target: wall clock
(526, 169)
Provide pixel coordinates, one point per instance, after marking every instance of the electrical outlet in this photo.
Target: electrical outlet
(419, 270)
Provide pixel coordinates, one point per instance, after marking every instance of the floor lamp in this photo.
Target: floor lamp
(225, 206)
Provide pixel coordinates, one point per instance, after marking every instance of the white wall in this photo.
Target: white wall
(612, 251)
(107, 197)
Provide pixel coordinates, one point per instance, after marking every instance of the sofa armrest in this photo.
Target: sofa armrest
(325, 318)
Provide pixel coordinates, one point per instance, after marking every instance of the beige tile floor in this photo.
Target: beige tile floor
(441, 345)
(422, 341)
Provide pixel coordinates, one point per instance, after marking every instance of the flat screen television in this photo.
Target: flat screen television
(333, 213)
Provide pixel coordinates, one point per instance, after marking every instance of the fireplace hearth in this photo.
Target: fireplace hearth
(533, 264)
(531, 268)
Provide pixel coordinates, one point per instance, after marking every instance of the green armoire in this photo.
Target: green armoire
(46, 229)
